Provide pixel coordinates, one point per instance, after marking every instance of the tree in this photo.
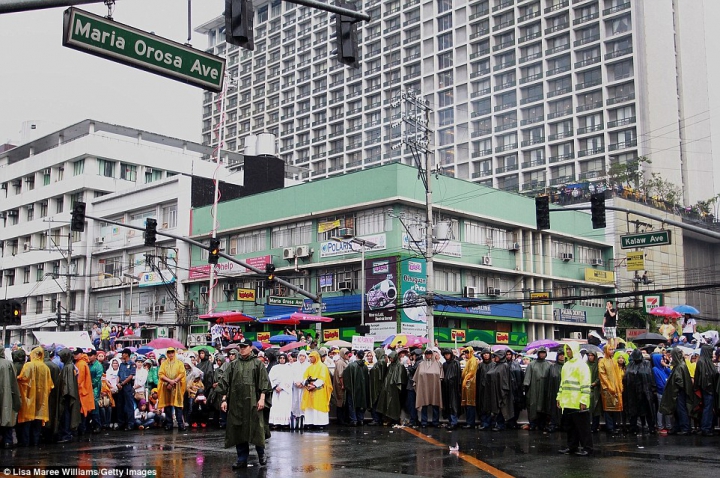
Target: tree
(628, 172)
(634, 319)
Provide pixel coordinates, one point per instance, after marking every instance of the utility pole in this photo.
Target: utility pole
(415, 118)
(66, 325)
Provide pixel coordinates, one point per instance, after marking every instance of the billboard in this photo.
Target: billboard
(381, 291)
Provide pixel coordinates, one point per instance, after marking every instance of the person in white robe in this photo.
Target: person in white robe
(281, 379)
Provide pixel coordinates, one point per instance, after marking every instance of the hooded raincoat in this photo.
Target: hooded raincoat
(9, 392)
(574, 381)
(428, 390)
(53, 401)
(35, 385)
(377, 375)
(173, 397)
(469, 380)
(355, 378)
(535, 384)
(451, 382)
(595, 388)
(390, 402)
(500, 388)
(85, 385)
(611, 382)
(679, 380)
(243, 381)
(640, 387)
(69, 392)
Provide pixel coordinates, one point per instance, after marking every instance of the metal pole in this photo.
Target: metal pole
(13, 6)
(362, 285)
(332, 9)
(131, 305)
(67, 283)
(429, 282)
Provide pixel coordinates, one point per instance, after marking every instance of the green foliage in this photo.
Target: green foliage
(634, 319)
(629, 172)
(669, 192)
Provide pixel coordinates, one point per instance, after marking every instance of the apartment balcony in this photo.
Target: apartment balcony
(504, 86)
(479, 53)
(534, 56)
(506, 106)
(586, 18)
(560, 135)
(590, 129)
(561, 157)
(476, 94)
(482, 174)
(621, 122)
(537, 119)
(503, 5)
(507, 147)
(529, 16)
(592, 175)
(586, 40)
(480, 132)
(557, 49)
(506, 127)
(478, 34)
(531, 78)
(478, 73)
(556, 28)
(504, 25)
(591, 151)
(504, 45)
(480, 14)
(532, 164)
(616, 9)
(558, 70)
(502, 66)
(506, 169)
(531, 99)
(588, 84)
(558, 114)
(620, 99)
(587, 62)
(561, 180)
(622, 145)
(590, 106)
(618, 53)
(560, 91)
(481, 153)
(557, 7)
(533, 185)
(532, 141)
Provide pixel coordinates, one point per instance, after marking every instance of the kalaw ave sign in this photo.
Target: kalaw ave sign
(659, 238)
(124, 44)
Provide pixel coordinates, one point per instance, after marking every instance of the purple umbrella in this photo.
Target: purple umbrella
(498, 347)
(547, 343)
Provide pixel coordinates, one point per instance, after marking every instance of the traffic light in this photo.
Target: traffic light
(346, 37)
(214, 250)
(10, 312)
(542, 212)
(270, 271)
(77, 221)
(597, 209)
(239, 23)
(150, 231)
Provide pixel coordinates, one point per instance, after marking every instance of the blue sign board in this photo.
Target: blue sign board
(514, 311)
(330, 305)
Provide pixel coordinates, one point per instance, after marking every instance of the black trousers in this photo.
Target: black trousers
(577, 424)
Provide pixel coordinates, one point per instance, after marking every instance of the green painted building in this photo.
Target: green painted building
(488, 259)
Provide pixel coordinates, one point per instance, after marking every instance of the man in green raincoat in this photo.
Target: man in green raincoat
(390, 402)
(69, 407)
(9, 400)
(377, 379)
(243, 388)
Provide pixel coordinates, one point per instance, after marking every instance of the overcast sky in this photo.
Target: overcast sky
(44, 81)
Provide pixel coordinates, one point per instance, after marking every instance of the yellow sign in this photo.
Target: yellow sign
(328, 226)
(246, 295)
(263, 336)
(636, 261)
(540, 295)
(502, 337)
(331, 334)
(601, 277)
(457, 334)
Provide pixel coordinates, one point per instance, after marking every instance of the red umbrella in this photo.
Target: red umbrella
(228, 317)
(163, 343)
(310, 318)
(665, 311)
(293, 319)
(293, 345)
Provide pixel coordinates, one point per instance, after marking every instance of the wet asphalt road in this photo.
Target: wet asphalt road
(381, 452)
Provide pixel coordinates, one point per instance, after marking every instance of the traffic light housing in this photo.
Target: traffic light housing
(214, 251)
(10, 312)
(270, 271)
(150, 231)
(346, 37)
(597, 210)
(77, 220)
(239, 23)
(542, 212)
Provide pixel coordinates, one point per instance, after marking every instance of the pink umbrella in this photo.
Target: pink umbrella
(293, 345)
(163, 343)
(665, 311)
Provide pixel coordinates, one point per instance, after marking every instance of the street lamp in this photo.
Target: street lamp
(364, 244)
(134, 278)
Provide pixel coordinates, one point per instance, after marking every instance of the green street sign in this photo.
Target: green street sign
(659, 238)
(287, 301)
(124, 44)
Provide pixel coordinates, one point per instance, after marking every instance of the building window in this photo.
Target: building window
(445, 41)
(248, 242)
(169, 217)
(106, 168)
(372, 221)
(447, 280)
(291, 234)
(59, 204)
(40, 273)
(444, 5)
(78, 167)
(128, 172)
(445, 22)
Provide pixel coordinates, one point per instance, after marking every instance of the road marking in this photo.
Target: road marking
(470, 459)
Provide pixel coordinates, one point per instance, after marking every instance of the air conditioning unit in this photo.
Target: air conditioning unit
(289, 253)
(160, 308)
(492, 292)
(515, 246)
(345, 285)
(346, 232)
(149, 310)
(486, 260)
(567, 256)
(576, 335)
(228, 286)
(99, 240)
(203, 290)
(26, 246)
(470, 292)
(596, 262)
(302, 251)
(46, 171)
(568, 303)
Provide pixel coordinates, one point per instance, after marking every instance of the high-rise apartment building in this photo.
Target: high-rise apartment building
(525, 94)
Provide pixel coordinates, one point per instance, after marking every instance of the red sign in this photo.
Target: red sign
(246, 295)
(263, 336)
(201, 272)
(632, 333)
(331, 334)
(457, 334)
(502, 337)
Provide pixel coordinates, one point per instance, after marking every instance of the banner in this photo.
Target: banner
(229, 268)
(413, 285)
(366, 342)
(246, 295)
(381, 291)
(328, 226)
(600, 277)
(570, 315)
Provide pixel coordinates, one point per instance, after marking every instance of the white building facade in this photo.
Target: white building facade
(123, 174)
(525, 94)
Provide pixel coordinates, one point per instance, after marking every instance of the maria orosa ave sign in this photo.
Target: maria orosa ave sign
(124, 44)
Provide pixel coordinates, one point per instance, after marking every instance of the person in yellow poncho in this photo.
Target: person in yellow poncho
(318, 385)
(35, 384)
(171, 390)
(611, 389)
(469, 386)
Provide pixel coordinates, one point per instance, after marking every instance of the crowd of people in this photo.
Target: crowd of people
(60, 394)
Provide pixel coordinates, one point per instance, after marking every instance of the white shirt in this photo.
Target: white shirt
(688, 326)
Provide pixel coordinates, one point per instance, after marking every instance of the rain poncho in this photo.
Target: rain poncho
(390, 402)
(483, 390)
(706, 374)
(535, 383)
(428, 390)
(69, 391)
(111, 376)
(640, 387)
(298, 369)
(679, 380)
(243, 381)
(338, 388)
(500, 388)
(611, 382)
(54, 400)
(9, 392)
(35, 385)
(377, 375)
(355, 378)
(18, 358)
(451, 381)
(318, 399)
(595, 387)
(574, 381)
(469, 379)
(85, 385)
(661, 372)
(173, 397)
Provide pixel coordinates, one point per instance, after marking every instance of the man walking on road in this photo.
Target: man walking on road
(243, 388)
(574, 398)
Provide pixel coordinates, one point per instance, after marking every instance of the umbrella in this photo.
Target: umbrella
(282, 338)
(547, 343)
(592, 348)
(650, 338)
(292, 345)
(206, 348)
(129, 338)
(337, 343)
(144, 350)
(499, 347)
(228, 317)
(163, 343)
(230, 347)
(665, 311)
(478, 344)
(293, 319)
(686, 309)
(405, 340)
